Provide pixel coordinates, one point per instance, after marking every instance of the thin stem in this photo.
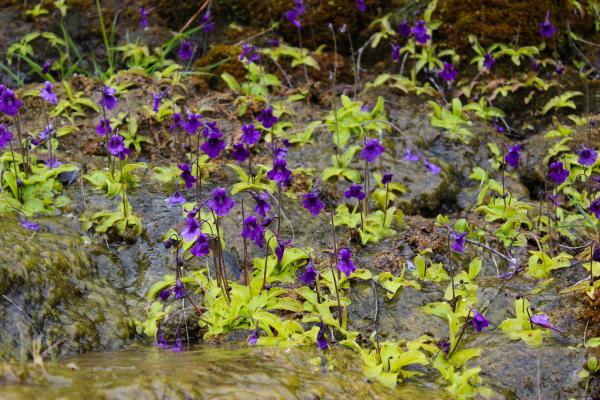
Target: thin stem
(337, 294)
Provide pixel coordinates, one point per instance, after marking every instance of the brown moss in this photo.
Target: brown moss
(221, 58)
(504, 21)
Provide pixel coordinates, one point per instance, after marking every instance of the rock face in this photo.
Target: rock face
(50, 291)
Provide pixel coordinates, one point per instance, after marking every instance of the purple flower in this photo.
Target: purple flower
(558, 174)
(512, 157)
(250, 53)
(448, 73)
(193, 123)
(294, 17)
(321, 341)
(409, 155)
(433, 168)
(404, 28)
(372, 150)
(279, 173)
(266, 118)
(9, 103)
(488, 61)
(201, 246)
(345, 263)
(47, 65)
(420, 32)
(535, 65)
(206, 22)
(544, 321)
(554, 199)
(362, 7)
(595, 207)
(144, 17)
(355, 191)
(253, 230)
(310, 273)
(213, 147)
(177, 197)
(280, 248)
(395, 51)
(103, 128)
(47, 94)
(262, 206)
(459, 241)
(560, 68)
(108, 98)
(219, 202)
(186, 175)
(587, 157)
(161, 342)
(186, 50)
(240, 153)
(157, 98)
(211, 130)
(253, 338)
(5, 136)
(547, 30)
(192, 229)
(45, 134)
(32, 226)
(179, 289)
(479, 322)
(387, 178)
(498, 127)
(178, 346)
(596, 252)
(116, 145)
(313, 203)
(250, 134)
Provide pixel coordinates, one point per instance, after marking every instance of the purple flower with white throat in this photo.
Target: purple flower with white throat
(116, 145)
(345, 263)
(479, 321)
(587, 157)
(513, 156)
(186, 175)
(186, 50)
(372, 150)
(220, 202)
(448, 73)
(313, 203)
(253, 230)
(547, 30)
(280, 173)
(192, 228)
(250, 135)
(47, 94)
(355, 191)
(558, 174)
(266, 118)
(211, 130)
(108, 98)
(419, 31)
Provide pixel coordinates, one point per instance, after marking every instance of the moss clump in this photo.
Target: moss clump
(505, 21)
